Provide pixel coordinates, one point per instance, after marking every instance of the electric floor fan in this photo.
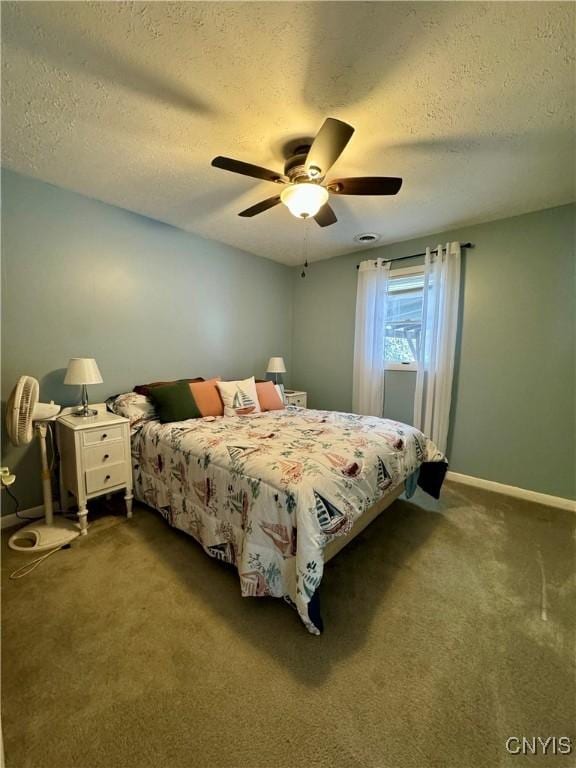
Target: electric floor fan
(24, 416)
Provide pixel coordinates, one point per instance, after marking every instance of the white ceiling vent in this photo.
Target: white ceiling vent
(366, 237)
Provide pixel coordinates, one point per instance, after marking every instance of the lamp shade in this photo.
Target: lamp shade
(82, 370)
(276, 365)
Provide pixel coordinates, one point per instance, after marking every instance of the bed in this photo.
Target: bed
(276, 494)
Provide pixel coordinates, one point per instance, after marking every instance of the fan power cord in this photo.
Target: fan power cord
(16, 505)
(24, 570)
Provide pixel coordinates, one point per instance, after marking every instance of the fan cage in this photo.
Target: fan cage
(20, 410)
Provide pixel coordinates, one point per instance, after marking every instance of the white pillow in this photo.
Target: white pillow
(239, 397)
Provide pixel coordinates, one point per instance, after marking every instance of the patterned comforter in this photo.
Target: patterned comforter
(266, 492)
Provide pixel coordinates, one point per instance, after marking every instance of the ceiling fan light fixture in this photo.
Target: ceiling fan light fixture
(307, 162)
(304, 200)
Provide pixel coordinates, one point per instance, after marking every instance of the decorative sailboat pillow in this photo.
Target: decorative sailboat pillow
(239, 397)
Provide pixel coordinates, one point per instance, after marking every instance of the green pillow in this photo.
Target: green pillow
(174, 402)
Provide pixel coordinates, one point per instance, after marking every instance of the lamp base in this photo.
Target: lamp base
(85, 411)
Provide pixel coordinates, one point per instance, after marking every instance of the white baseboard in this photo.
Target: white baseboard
(511, 490)
(9, 521)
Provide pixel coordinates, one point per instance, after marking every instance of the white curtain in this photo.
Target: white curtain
(368, 380)
(437, 343)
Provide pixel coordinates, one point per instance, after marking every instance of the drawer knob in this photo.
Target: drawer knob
(106, 456)
(104, 436)
(107, 477)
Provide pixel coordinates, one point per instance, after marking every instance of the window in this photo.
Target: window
(403, 318)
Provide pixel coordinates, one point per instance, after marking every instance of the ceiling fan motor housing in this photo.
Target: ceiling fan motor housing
(295, 166)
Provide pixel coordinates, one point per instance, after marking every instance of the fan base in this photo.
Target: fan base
(38, 537)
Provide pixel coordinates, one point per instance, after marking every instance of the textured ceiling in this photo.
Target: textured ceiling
(471, 103)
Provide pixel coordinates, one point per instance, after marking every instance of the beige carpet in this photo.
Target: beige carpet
(134, 649)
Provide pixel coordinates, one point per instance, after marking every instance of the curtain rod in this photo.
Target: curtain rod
(415, 255)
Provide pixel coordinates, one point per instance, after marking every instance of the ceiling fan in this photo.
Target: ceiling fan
(304, 193)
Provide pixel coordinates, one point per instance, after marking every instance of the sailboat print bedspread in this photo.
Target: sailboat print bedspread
(266, 492)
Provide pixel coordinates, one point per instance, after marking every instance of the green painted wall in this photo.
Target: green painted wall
(80, 278)
(84, 279)
(513, 415)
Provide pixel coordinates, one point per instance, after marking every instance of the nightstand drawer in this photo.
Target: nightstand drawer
(105, 477)
(103, 455)
(98, 436)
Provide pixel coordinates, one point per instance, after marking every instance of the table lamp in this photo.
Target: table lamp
(276, 366)
(82, 371)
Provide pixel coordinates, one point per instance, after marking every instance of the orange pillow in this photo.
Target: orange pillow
(268, 396)
(207, 397)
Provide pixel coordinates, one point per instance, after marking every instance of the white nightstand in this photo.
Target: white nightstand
(94, 460)
(296, 397)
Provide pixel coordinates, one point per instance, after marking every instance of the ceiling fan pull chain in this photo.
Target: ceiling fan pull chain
(305, 248)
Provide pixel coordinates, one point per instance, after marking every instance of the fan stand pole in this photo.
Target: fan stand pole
(46, 480)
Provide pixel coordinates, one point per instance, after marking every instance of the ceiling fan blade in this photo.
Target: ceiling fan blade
(327, 146)
(247, 169)
(325, 216)
(366, 185)
(261, 207)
